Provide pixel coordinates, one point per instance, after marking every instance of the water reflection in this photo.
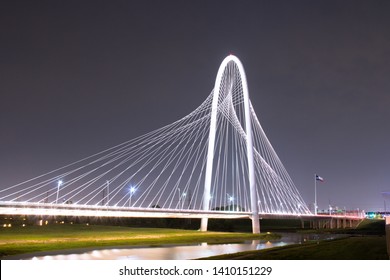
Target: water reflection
(185, 252)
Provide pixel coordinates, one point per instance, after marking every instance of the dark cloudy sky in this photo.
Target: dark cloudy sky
(77, 77)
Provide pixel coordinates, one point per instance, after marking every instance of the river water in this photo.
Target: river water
(177, 252)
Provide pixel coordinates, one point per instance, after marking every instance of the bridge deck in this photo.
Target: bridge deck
(48, 209)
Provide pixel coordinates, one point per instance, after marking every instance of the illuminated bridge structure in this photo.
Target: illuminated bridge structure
(216, 162)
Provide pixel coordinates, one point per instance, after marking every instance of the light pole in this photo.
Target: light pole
(315, 194)
(316, 178)
(108, 193)
(59, 184)
(183, 198)
(179, 196)
(132, 191)
(210, 202)
(231, 199)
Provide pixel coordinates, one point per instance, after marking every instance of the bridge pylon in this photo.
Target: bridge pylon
(221, 75)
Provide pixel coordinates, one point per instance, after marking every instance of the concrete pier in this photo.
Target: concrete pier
(331, 222)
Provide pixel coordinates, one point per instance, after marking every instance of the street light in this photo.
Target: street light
(231, 199)
(59, 184)
(178, 189)
(183, 199)
(132, 191)
(108, 193)
(210, 200)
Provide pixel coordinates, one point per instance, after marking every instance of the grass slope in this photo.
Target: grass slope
(18, 240)
(351, 248)
(368, 242)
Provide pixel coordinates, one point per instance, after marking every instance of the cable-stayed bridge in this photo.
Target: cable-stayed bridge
(216, 162)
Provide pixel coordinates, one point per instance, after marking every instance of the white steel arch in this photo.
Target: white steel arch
(249, 143)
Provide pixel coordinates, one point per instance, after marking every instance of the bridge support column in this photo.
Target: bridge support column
(255, 224)
(203, 224)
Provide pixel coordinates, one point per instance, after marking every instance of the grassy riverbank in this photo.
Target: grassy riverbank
(351, 248)
(20, 240)
(366, 242)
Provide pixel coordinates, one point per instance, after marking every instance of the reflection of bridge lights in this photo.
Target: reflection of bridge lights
(96, 253)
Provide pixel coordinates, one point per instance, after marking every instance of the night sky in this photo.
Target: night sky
(78, 77)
